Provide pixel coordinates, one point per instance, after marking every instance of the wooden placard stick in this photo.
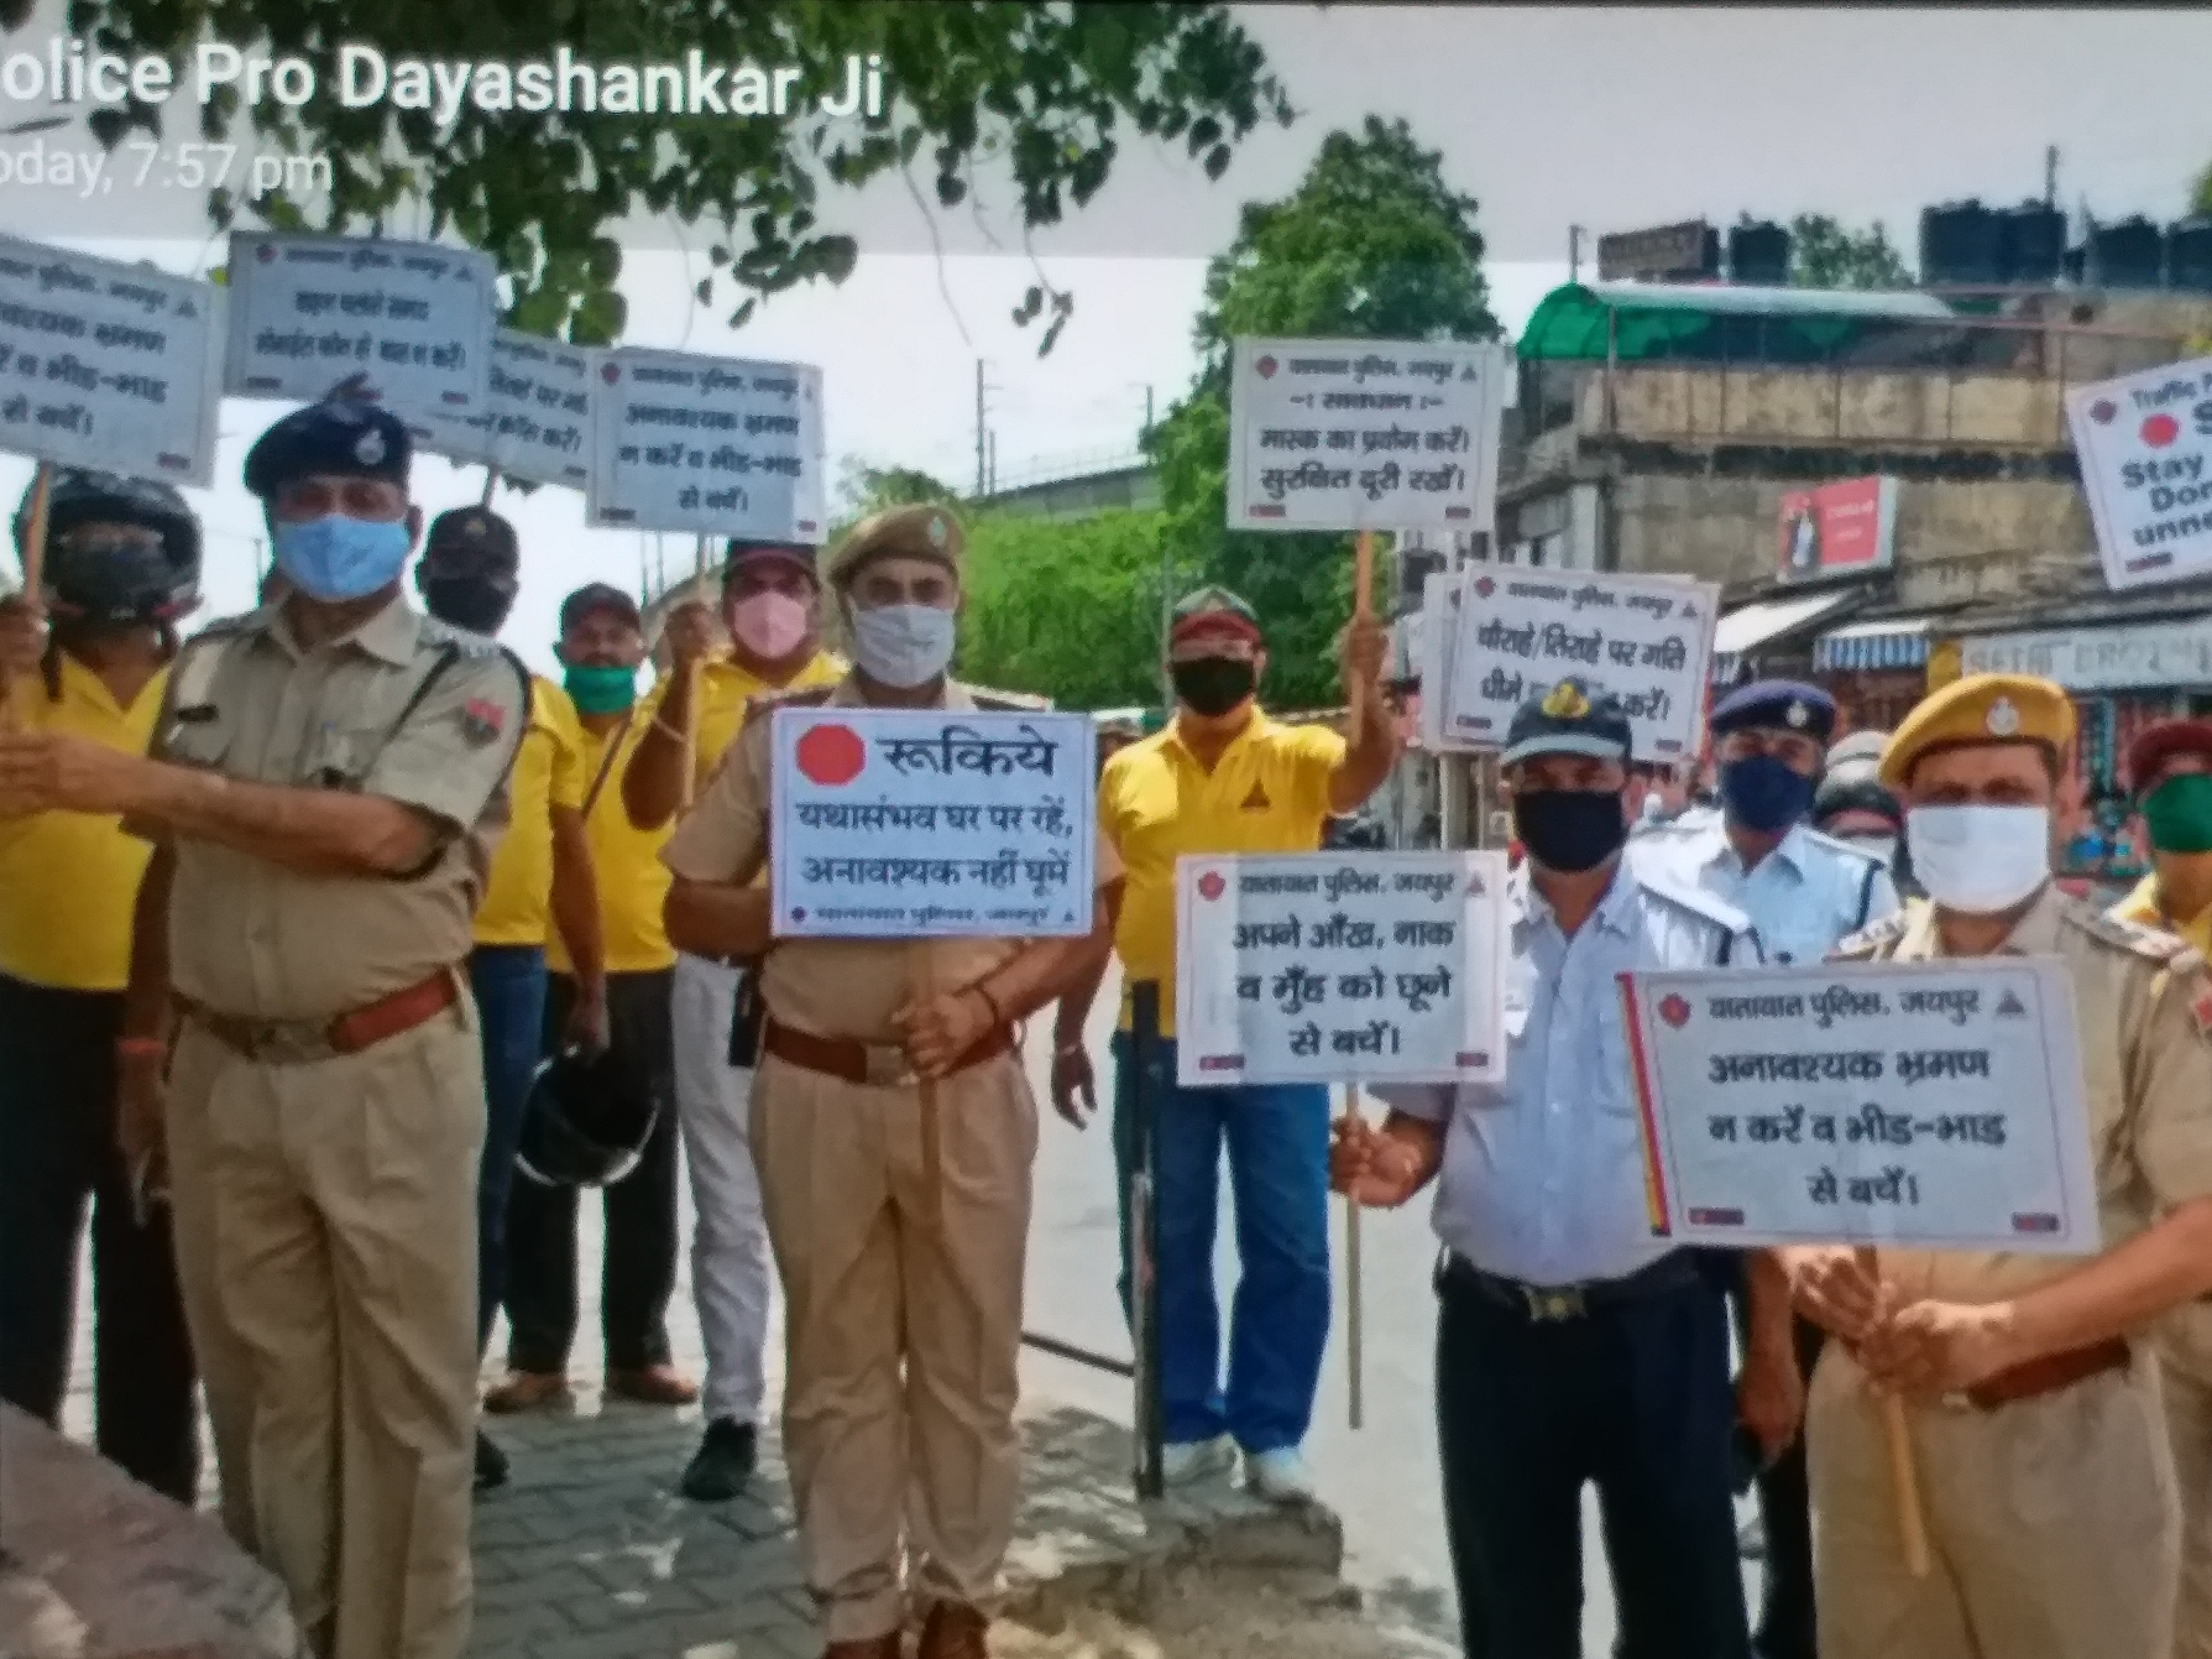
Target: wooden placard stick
(921, 986)
(491, 482)
(34, 565)
(1905, 1475)
(697, 685)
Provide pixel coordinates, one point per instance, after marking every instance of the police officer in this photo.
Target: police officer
(328, 774)
(1851, 806)
(2031, 1397)
(1571, 1345)
(1803, 891)
(122, 565)
(898, 1243)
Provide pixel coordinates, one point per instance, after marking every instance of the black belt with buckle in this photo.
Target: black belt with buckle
(1543, 1305)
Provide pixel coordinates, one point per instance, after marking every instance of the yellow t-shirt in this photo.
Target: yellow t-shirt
(726, 686)
(633, 882)
(69, 881)
(1268, 793)
(2141, 907)
(518, 901)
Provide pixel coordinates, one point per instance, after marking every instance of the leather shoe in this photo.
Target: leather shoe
(526, 1391)
(953, 1632)
(652, 1385)
(875, 1647)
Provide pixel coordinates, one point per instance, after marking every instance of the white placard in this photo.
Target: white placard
(2145, 446)
(1441, 595)
(1364, 434)
(308, 312)
(1646, 638)
(895, 824)
(537, 422)
(106, 365)
(1935, 1105)
(716, 446)
(1341, 968)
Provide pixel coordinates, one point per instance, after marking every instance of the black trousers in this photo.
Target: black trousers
(1634, 1395)
(638, 1276)
(58, 1155)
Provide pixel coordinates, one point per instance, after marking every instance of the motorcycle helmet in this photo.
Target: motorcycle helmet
(586, 1121)
(115, 581)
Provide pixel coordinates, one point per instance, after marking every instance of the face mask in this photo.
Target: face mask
(1212, 686)
(1980, 859)
(1762, 795)
(1570, 830)
(336, 558)
(1882, 846)
(903, 645)
(475, 603)
(2179, 814)
(601, 690)
(772, 626)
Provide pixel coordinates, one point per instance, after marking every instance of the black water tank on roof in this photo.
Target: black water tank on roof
(1758, 255)
(1961, 246)
(2129, 254)
(2188, 256)
(2033, 246)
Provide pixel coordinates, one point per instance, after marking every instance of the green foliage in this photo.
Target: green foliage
(1823, 253)
(1050, 91)
(2200, 194)
(862, 489)
(1067, 609)
(1374, 244)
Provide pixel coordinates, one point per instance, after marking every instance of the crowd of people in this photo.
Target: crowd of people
(299, 913)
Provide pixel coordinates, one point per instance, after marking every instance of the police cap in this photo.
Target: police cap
(341, 435)
(1569, 719)
(1981, 708)
(1777, 705)
(903, 533)
(472, 538)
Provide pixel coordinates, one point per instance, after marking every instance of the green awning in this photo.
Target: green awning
(1647, 321)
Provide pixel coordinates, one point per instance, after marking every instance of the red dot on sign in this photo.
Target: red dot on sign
(610, 373)
(1210, 885)
(1267, 367)
(2160, 430)
(1675, 1011)
(831, 755)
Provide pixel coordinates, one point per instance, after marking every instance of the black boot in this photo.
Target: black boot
(723, 1463)
(491, 1464)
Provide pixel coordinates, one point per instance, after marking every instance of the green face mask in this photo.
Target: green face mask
(2179, 814)
(601, 691)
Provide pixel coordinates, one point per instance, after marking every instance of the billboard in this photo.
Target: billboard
(1848, 528)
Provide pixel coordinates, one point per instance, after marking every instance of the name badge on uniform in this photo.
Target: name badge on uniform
(482, 721)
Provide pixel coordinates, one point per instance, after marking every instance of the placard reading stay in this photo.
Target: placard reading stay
(1365, 435)
(537, 422)
(1341, 968)
(106, 365)
(895, 824)
(1937, 1105)
(2145, 446)
(309, 311)
(716, 446)
(1645, 639)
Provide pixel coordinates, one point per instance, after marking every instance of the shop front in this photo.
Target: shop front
(1875, 670)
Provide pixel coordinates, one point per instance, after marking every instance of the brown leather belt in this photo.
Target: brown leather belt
(876, 1065)
(2048, 1374)
(294, 1042)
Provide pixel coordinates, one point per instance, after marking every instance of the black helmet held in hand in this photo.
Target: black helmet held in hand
(116, 583)
(586, 1122)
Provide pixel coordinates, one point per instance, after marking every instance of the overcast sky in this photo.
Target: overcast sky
(1609, 119)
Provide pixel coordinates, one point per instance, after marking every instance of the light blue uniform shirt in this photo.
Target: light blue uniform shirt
(1803, 898)
(1543, 1175)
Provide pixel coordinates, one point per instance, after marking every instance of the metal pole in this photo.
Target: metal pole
(1151, 1085)
(979, 428)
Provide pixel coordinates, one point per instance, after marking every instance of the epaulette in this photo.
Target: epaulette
(2151, 945)
(1707, 907)
(1007, 702)
(1875, 941)
(191, 676)
(1827, 842)
(763, 702)
(464, 643)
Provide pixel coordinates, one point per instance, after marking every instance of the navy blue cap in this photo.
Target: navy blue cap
(1782, 705)
(344, 435)
(1569, 719)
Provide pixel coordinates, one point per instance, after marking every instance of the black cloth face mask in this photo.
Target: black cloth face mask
(1212, 686)
(475, 603)
(1570, 830)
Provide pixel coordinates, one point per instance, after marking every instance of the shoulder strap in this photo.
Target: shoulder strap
(1866, 896)
(607, 761)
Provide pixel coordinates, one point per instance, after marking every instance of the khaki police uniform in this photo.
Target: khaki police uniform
(327, 1114)
(887, 1265)
(2052, 1518)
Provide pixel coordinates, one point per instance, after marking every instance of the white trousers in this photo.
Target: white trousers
(730, 1263)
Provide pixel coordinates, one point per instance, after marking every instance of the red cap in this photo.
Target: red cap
(2156, 744)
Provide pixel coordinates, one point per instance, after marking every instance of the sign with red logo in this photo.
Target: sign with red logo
(1848, 528)
(2145, 446)
(927, 823)
(1341, 968)
(1933, 1105)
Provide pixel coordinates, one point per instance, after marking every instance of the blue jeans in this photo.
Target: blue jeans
(1278, 1142)
(509, 982)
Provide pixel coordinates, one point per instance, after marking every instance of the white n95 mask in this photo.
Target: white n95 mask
(1979, 860)
(904, 646)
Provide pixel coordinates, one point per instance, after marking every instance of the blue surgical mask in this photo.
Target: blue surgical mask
(335, 558)
(1764, 795)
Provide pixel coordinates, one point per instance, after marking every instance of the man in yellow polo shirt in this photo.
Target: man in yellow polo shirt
(772, 607)
(122, 564)
(2170, 766)
(1223, 778)
(602, 647)
(541, 873)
